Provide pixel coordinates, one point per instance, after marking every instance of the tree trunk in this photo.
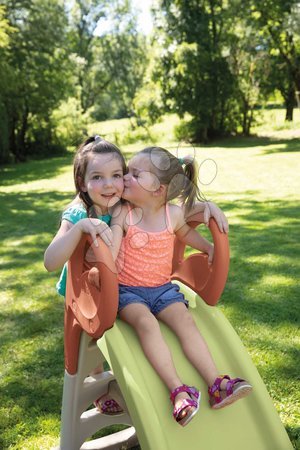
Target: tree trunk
(245, 118)
(12, 138)
(289, 104)
(22, 134)
(4, 134)
(249, 122)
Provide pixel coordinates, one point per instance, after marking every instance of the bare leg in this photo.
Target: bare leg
(154, 346)
(178, 318)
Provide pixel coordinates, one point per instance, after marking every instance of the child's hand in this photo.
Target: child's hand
(96, 227)
(212, 210)
(210, 253)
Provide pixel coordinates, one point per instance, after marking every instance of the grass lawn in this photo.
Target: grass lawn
(257, 184)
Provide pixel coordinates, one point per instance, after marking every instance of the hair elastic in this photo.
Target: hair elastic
(97, 138)
(181, 161)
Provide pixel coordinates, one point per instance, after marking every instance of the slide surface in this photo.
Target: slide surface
(249, 424)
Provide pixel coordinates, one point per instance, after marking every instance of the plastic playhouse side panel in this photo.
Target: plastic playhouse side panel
(251, 423)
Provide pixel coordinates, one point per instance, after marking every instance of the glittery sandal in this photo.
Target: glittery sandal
(235, 389)
(186, 404)
(110, 406)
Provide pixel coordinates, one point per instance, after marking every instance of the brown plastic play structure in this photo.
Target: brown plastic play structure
(88, 308)
(90, 311)
(94, 310)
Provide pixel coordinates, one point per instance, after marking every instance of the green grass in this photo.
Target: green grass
(257, 185)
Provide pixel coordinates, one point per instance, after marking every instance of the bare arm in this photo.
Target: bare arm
(191, 237)
(68, 237)
(118, 223)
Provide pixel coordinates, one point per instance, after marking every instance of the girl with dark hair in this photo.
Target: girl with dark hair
(99, 167)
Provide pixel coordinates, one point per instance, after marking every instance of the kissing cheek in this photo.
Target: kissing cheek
(131, 188)
(134, 190)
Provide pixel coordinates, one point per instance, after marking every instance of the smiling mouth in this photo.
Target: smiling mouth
(108, 195)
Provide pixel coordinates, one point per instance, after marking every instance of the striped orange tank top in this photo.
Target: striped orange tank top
(145, 258)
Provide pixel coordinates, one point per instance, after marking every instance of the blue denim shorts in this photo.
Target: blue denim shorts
(155, 298)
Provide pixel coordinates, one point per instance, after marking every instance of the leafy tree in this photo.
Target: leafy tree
(194, 75)
(110, 63)
(123, 52)
(248, 58)
(39, 72)
(84, 18)
(220, 59)
(6, 73)
(280, 78)
(280, 20)
(148, 104)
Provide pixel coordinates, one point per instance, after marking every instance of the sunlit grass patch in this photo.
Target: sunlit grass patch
(274, 119)
(275, 280)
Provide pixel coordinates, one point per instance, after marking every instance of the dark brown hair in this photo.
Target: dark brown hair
(92, 145)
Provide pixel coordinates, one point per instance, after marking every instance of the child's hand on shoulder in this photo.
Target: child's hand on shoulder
(96, 227)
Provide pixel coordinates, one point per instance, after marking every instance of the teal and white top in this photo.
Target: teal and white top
(73, 214)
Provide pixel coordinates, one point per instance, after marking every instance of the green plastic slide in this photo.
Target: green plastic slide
(249, 424)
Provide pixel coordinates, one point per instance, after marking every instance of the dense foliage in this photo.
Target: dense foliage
(66, 63)
(56, 64)
(221, 59)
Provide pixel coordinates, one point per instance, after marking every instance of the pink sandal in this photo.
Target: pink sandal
(193, 402)
(110, 406)
(235, 389)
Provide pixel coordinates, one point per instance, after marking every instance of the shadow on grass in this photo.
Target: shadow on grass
(262, 286)
(288, 145)
(32, 391)
(264, 260)
(262, 291)
(33, 170)
(43, 361)
(30, 213)
(31, 317)
(32, 376)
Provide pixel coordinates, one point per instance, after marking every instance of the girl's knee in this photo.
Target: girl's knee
(187, 328)
(146, 324)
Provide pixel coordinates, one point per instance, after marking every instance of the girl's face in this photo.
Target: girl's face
(104, 180)
(139, 182)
